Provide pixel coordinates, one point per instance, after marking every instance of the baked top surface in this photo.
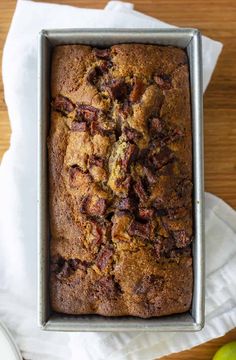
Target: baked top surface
(120, 174)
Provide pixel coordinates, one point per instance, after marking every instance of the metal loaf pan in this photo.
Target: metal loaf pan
(189, 39)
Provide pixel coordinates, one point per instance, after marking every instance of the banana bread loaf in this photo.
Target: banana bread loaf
(120, 181)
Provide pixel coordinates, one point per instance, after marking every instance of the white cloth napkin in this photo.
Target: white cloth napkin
(18, 284)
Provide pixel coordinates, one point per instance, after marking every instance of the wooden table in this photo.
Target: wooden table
(216, 19)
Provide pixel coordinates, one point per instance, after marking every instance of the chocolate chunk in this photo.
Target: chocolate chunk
(132, 134)
(74, 171)
(142, 230)
(102, 53)
(94, 74)
(97, 231)
(76, 174)
(140, 190)
(63, 105)
(87, 113)
(181, 238)
(78, 126)
(84, 204)
(64, 268)
(93, 208)
(137, 90)
(110, 283)
(105, 66)
(94, 128)
(102, 128)
(99, 208)
(130, 155)
(163, 81)
(126, 183)
(95, 160)
(107, 287)
(149, 175)
(57, 263)
(103, 257)
(149, 283)
(145, 213)
(162, 158)
(163, 246)
(117, 89)
(65, 271)
(74, 264)
(125, 204)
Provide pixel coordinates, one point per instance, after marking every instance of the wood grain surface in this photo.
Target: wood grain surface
(216, 19)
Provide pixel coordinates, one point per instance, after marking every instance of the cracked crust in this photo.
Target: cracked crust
(120, 176)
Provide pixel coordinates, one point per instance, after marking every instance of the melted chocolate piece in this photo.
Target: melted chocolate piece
(105, 66)
(149, 283)
(78, 126)
(87, 113)
(126, 204)
(107, 286)
(103, 257)
(97, 231)
(117, 89)
(142, 230)
(102, 53)
(75, 170)
(163, 246)
(146, 214)
(162, 158)
(95, 160)
(99, 208)
(92, 208)
(63, 105)
(151, 178)
(94, 74)
(130, 154)
(64, 268)
(163, 81)
(132, 134)
(140, 190)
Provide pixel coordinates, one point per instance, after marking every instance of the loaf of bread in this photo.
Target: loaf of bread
(120, 181)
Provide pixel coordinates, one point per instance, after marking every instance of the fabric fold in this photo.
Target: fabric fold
(18, 250)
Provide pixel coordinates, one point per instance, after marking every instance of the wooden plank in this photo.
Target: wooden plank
(217, 20)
